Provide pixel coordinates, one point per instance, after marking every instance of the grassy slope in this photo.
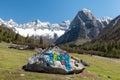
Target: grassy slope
(102, 67)
(11, 62)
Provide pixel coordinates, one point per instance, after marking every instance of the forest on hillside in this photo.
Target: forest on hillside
(9, 36)
(106, 49)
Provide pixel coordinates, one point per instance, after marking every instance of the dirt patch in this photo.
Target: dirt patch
(86, 74)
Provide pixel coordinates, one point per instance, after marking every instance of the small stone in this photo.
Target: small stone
(22, 74)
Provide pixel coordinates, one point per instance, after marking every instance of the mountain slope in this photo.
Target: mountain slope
(108, 41)
(111, 32)
(84, 26)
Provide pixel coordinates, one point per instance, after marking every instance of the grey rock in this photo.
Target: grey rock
(84, 26)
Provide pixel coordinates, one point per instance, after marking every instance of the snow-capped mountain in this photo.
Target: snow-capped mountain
(105, 20)
(85, 26)
(1, 21)
(37, 28)
(111, 32)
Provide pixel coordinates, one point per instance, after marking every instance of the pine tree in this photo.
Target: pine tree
(41, 40)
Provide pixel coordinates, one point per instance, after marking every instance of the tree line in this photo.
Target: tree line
(109, 49)
(106, 49)
(8, 35)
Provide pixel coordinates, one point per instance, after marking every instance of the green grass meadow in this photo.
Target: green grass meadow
(12, 60)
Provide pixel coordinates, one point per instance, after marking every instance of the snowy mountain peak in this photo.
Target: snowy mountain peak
(105, 20)
(106, 17)
(84, 15)
(86, 10)
(37, 21)
(1, 21)
(67, 21)
(65, 24)
(11, 20)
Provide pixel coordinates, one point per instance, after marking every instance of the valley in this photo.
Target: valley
(12, 60)
(59, 40)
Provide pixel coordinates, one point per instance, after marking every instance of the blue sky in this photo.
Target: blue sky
(55, 11)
